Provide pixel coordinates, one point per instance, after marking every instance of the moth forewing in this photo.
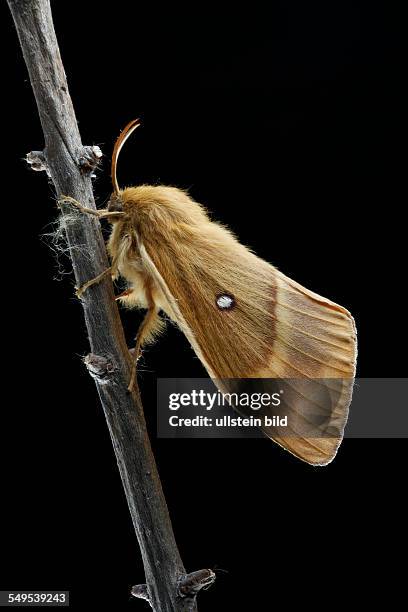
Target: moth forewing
(275, 329)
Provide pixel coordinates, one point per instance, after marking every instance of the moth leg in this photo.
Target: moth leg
(150, 326)
(67, 199)
(94, 281)
(102, 213)
(124, 294)
(112, 270)
(144, 331)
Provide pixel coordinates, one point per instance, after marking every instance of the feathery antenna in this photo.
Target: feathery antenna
(122, 138)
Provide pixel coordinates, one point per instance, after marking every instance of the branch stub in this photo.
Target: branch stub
(89, 159)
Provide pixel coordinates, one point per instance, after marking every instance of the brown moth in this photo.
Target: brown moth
(243, 317)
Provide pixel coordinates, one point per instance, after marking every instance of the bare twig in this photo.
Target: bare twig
(69, 165)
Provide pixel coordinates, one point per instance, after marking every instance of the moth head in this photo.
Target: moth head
(115, 203)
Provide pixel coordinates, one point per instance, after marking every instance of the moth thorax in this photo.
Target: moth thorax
(225, 301)
(115, 203)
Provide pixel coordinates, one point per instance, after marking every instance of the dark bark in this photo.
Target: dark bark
(69, 164)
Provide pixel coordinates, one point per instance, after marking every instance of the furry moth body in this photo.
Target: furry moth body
(243, 318)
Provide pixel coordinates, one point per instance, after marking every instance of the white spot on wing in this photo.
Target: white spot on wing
(224, 301)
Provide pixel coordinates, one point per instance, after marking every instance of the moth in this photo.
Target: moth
(244, 318)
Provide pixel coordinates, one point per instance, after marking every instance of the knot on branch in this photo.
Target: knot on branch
(189, 585)
(100, 368)
(89, 159)
(37, 161)
(140, 591)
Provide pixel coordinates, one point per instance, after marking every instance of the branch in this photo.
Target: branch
(70, 165)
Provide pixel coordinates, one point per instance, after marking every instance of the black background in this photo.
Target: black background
(286, 123)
